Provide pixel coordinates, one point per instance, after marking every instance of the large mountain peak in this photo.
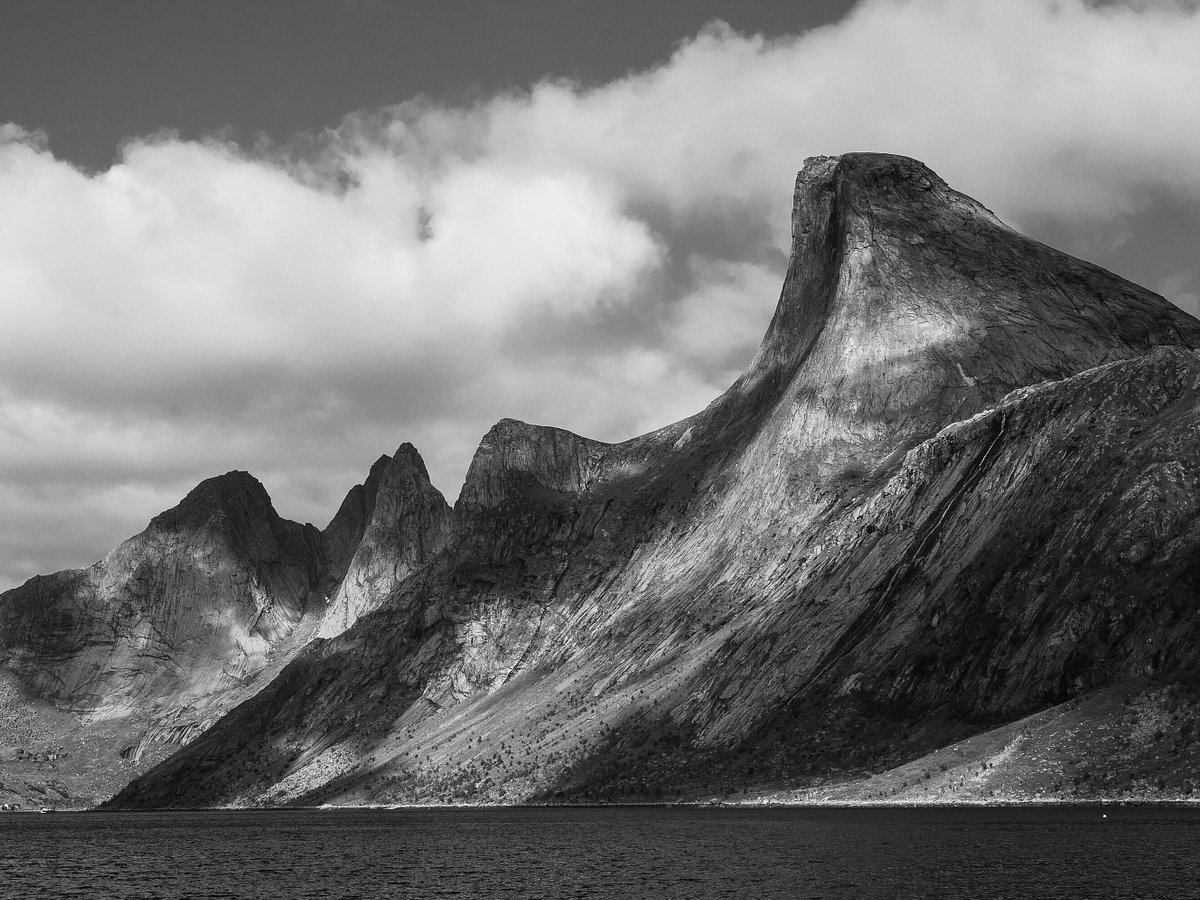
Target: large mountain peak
(839, 202)
(908, 305)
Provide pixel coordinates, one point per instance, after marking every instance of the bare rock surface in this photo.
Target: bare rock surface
(954, 488)
(404, 522)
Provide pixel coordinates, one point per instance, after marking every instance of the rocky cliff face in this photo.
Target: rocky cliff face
(404, 522)
(953, 488)
(153, 643)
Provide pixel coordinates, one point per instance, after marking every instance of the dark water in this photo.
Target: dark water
(614, 852)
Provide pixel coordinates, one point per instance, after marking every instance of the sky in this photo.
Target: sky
(285, 237)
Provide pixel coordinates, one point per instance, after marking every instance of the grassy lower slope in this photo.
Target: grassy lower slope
(1133, 741)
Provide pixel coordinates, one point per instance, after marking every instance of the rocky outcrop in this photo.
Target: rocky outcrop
(405, 521)
(952, 488)
(341, 536)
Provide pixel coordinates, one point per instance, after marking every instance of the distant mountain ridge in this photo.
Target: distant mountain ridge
(953, 489)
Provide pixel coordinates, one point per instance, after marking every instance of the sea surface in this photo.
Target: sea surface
(655, 852)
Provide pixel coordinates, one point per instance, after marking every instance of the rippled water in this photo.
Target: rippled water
(609, 852)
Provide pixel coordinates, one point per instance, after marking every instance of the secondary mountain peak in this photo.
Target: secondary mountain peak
(234, 496)
(516, 457)
(407, 455)
(386, 528)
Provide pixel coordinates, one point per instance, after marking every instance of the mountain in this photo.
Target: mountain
(115, 665)
(953, 491)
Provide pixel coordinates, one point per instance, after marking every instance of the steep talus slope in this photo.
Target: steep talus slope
(819, 572)
(154, 642)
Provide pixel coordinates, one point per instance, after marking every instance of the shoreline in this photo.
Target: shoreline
(697, 805)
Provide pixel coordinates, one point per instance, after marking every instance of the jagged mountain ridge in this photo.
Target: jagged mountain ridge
(743, 588)
(180, 622)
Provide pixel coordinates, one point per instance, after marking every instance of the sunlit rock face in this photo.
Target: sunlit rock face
(340, 538)
(404, 522)
(955, 486)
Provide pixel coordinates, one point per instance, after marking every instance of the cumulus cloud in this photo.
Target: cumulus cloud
(602, 259)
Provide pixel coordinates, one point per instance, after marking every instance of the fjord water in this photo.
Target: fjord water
(606, 852)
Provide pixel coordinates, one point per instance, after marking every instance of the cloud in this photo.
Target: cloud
(601, 259)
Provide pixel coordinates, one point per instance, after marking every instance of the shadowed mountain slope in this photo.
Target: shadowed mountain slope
(911, 518)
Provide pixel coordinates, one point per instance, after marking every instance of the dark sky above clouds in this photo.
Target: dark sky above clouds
(93, 73)
(287, 236)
